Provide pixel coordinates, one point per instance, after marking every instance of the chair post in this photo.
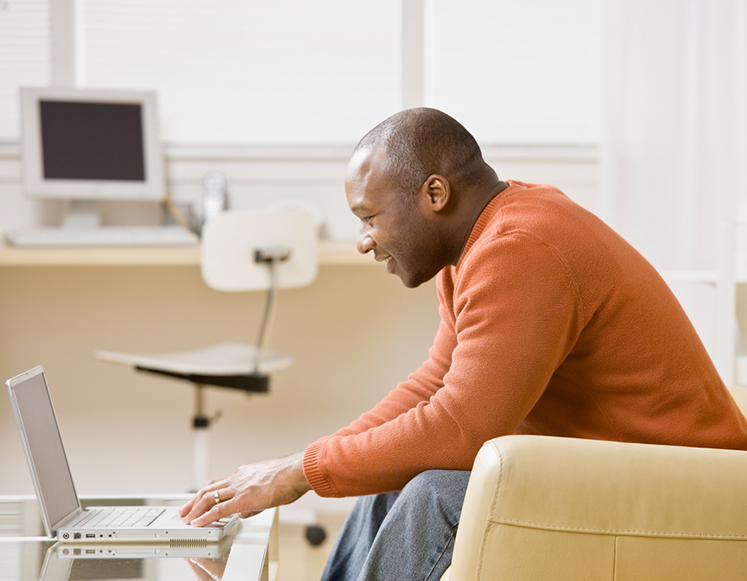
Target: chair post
(270, 257)
(200, 445)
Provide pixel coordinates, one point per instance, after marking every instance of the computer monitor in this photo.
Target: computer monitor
(91, 145)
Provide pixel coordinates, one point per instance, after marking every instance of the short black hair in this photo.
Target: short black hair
(421, 142)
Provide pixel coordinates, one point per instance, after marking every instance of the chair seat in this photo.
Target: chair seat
(219, 359)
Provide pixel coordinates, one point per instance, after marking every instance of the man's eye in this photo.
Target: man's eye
(366, 218)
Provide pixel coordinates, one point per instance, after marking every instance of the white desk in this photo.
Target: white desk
(330, 253)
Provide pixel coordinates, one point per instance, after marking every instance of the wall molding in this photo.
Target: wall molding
(311, 175)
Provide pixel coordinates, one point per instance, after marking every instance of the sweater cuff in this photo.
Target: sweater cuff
(313, 472)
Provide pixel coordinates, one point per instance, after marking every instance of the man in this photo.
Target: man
(550, 324)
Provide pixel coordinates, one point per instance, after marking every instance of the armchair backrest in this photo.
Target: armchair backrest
(740, 396)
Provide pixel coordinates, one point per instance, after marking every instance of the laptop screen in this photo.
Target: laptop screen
(38, 425)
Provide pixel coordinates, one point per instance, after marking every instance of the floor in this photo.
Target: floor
(298, 559)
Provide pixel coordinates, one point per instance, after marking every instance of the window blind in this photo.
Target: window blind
(266, 71)
(24, 56)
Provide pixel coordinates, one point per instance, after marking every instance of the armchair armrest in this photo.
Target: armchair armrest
(559, 508)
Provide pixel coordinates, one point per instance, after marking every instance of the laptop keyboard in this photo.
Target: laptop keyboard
(119, 518)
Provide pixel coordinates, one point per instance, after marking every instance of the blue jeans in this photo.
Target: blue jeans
(401, 535)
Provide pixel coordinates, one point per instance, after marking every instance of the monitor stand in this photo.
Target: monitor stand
(83, 214)
(81, 226)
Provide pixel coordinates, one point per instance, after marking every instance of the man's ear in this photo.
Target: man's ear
(437, 192)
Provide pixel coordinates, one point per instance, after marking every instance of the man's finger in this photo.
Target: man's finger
(186, 508)
(218, 512)
(204, 500)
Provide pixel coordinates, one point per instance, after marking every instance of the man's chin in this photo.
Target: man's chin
(412, 281)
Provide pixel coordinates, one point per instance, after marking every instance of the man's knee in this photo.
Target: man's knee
(436, 490)
(426, 482)
(437, 480)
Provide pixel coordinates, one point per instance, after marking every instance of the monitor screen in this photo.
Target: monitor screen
(91, 145)
(92, 141)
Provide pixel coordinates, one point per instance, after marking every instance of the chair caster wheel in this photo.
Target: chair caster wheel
(315, 535)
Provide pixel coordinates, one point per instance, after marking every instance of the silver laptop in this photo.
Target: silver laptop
(60, 507)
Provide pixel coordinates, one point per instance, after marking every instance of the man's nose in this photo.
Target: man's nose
(365, 243)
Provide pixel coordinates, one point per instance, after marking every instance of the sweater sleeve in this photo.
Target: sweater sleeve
(511, 314)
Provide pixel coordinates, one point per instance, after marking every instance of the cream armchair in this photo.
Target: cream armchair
(542, 508)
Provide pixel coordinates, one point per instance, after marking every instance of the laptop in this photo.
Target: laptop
(61, 510)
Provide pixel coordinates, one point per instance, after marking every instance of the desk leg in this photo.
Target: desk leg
(270, 569)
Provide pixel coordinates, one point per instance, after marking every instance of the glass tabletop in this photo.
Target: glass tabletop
(26, 554)
(50, 561)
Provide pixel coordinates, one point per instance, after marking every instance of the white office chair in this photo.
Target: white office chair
(242, 250)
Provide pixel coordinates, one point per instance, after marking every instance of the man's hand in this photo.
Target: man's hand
(208, 569)
(248, 491)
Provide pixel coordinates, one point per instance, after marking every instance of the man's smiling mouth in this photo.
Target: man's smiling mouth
(388, 261)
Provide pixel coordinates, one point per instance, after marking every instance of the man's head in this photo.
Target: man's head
(417, 182)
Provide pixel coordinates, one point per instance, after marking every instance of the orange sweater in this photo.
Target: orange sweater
(551, 324)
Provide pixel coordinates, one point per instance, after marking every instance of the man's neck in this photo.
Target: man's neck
(476, 209)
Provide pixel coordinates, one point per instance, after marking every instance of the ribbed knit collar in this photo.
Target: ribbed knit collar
(482, 221)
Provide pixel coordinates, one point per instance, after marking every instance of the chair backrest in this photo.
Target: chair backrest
(740, 397)
(541, 507)
(231, 239)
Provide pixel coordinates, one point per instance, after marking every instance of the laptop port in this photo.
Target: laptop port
(90, 535)
(76, 536)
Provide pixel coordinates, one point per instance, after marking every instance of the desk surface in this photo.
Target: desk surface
(25, 553)
(330, 253)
